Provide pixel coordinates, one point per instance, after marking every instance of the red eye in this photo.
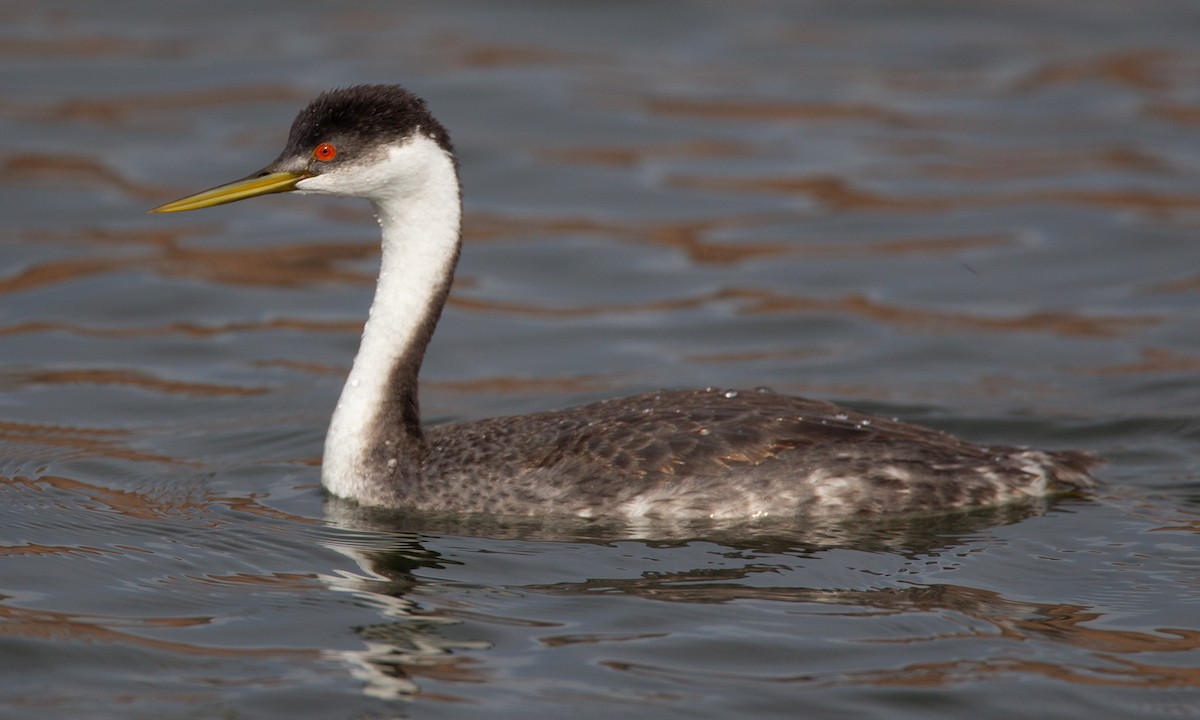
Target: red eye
(325, 152)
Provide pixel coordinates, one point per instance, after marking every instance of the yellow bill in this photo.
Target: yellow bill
(258, 184)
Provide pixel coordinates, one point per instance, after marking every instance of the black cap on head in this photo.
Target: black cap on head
(357, 117)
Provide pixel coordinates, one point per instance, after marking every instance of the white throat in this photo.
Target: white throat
(415, 192)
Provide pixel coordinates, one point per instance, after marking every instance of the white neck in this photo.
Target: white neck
(420, 212)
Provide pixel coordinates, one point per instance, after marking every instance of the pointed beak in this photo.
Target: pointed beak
(260, 183)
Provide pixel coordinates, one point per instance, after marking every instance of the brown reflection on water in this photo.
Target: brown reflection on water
(500, 385)
(1148, 70)
(756, 110)
(34, 549)
(83, 170)
(240, 503)
(693, 238)
(292, 582)
(473, 54)
(841, 195)
(131, 378)
(459, 51)
(60, 45)
(287, 266)
(980, 164)
(150, 237)
(16, 622)
(1186, 526)
(1180, 114)
(688, 237)
(1067, 624)
(1154, 360)
(1054, 323)
(588, 638)
(168, 502)
(57, 271)
(1106, 658)
(159, 502)
(1059, 623)
(754, 301)
(710, 252)
(741, 356)
(308, 368)
(123, 109)
(485, 227)
(1109, 651)
(190, 329)
(82, 442)
(833, 192)
(626, 156)
(1177, 286)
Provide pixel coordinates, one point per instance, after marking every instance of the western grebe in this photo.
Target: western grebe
(677, 454)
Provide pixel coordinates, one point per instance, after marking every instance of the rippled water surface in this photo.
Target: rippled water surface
(979, 216)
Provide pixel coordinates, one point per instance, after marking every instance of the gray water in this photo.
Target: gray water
(978, 216)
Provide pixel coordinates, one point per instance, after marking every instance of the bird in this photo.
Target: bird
(672, 454)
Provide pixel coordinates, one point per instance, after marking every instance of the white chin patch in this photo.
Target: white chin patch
(318, 185)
